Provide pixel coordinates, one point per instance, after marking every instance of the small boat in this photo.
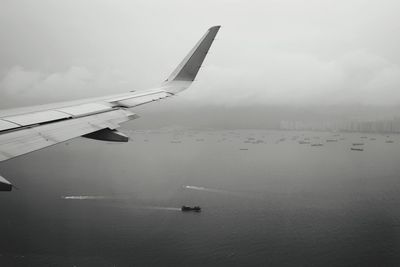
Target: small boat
(389, 141)
(357, 149)
(358, 144)
(303, 142)
(316, 144)
(187, 208)
(331, 140)
(244, 149)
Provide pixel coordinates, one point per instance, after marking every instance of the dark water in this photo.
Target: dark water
(267, 201)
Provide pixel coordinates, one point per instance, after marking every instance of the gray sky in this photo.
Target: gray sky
(289, 52)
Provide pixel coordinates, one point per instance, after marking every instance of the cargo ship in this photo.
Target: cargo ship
(187, 208)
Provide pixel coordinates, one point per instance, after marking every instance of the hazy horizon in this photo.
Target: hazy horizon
(268, 53)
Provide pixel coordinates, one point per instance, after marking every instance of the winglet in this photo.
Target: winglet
(190, 65)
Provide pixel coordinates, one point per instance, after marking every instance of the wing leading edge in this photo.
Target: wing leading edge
(30, 129)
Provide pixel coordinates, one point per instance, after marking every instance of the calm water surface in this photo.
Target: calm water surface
(267, 201)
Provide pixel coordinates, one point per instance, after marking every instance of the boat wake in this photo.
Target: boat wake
(162, 208)
(214, 190)
(118, 198)
(90, 197)
(220, 191)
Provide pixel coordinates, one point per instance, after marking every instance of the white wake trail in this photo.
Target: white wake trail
(219, 191)
(213, 190)
(162, 208)
(89, 197)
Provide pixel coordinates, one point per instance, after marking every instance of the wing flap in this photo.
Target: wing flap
(6, 125)
(85, 109)
(37, 117)
(20, 142)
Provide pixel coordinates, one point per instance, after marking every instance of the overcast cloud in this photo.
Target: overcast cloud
(267, 52)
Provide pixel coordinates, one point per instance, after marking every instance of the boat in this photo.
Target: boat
(331, 140)
(389, 141)
(357, 149)
(358, 144)
(316, 144)
(187, 208)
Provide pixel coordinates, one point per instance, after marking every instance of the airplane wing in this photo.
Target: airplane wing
(29, 129)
